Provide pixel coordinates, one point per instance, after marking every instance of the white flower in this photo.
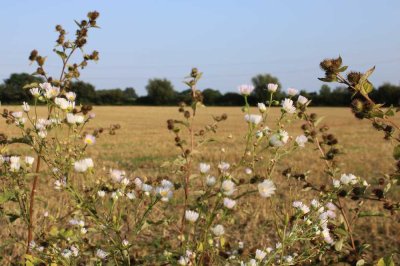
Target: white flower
(223, 166)
(302, 100)
(348, 179)
(297, 204)
(131, 195)
(191, 216)
(75, 251)
(15, 164)
(83, 165)
(252, 262)
(117, 175)
(17, 114)
(288, 107)
(26, 107)
(183, 261)
(29, 160)
(218, 230)
(331, 206)
(167, 184)
(272, 87)
(261, 107)
(279, 139)
(292, 91)
(125, 243)
(147, 188)
(228, 187)
(83, 230)
(71, 118)
(42, 134)
(58, 184)
(49, 91)
(66, 253)
(64, 104)
(260, 255)
(254, 119)
(248, 171)
(315, 203)
(266, 188)
(138, 183)
(35, 92)
(79, 119)
(246, 89)
(101, 254)
(204, 168)
(301, 140)
(165, 193)
(71, 96)
(229, 203)
(327, 237)
(101, 193)
(125, 181)
(75, 119)
(210, 181)
(336, 183)
(305, 209)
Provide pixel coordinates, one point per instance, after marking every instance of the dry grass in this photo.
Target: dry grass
(143, 143)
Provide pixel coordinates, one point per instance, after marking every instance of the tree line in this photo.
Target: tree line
(162, 92)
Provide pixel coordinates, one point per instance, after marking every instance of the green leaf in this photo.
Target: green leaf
(61, 54)
(386, 261)
(31, 85)
(326, 79)
(367, 87)
(370, 214)
(6, 196)
(396, 152)
(342, 69)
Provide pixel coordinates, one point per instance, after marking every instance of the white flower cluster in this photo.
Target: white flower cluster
(68, 252)
(279, 139)
(348, 179)
(14, 162)
(165, 190)
(45, 91)
(80, 224)
(83, 165)
(253, 119)
(324, 214)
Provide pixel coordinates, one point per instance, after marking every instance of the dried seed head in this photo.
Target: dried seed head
(354, 77)
(33, 55)
(326, 64)
(186, 114)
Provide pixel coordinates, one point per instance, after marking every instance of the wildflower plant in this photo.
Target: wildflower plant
(195, 215)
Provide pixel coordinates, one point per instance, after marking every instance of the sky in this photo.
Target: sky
(229, 40)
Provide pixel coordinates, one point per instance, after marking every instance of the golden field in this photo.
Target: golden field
(143, 143)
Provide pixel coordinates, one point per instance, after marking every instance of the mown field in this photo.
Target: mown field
(143, 143)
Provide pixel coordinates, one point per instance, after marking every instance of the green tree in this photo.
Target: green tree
(13, 92)
(130, 94)
(260, 83)
(211, 97)
(161, 92)
(85, 92)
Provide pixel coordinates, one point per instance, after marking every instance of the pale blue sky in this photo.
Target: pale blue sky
(229, 40)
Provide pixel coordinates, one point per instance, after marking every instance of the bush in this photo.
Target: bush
(192, 217)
